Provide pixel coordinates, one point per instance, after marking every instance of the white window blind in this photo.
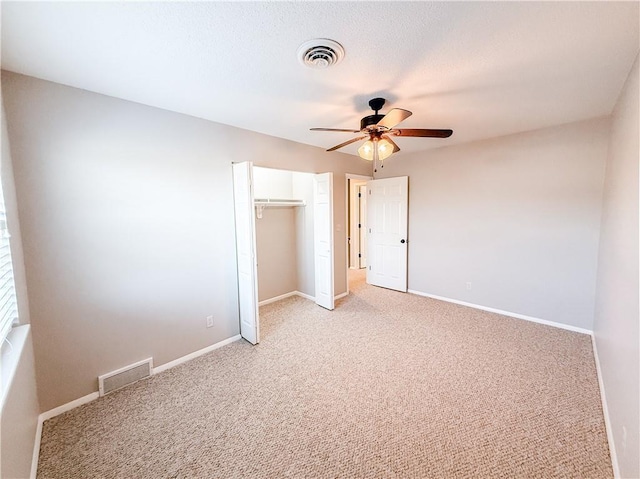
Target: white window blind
(8, 306)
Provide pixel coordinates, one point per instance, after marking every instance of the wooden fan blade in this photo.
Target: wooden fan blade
(334, 129)
(396, 148)
(423, 132)
(394, 117)
(347, 143)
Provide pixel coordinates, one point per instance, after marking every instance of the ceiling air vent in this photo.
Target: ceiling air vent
(320, 53)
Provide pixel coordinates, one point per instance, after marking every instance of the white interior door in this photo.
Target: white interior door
(246, 252)
(387, 205)
(323, 238)
(362, 236)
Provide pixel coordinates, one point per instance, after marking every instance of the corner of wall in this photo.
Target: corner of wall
(616, 329)
(605, 411)
(21, 405)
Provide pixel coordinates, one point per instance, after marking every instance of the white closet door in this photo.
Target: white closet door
(323, 238)
(246, 252)
(387, 204)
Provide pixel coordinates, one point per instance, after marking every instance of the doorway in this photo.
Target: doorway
(291, 190)
(356, 199)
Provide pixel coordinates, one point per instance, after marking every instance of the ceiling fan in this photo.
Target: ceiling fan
(379, 129)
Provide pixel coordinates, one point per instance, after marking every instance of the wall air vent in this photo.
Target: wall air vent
(124, 376)
(320, 53)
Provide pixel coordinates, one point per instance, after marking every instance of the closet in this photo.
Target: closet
(284, 233)
(284, 239)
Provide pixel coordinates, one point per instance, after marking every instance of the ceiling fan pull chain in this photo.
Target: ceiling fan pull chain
(376, 154)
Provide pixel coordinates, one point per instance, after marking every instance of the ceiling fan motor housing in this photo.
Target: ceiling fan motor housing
(376, 105)
(370, 120)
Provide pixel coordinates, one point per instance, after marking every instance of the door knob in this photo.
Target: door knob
(402, 241)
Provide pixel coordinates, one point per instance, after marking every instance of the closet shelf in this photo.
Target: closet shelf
(274, 202)
(262, 203)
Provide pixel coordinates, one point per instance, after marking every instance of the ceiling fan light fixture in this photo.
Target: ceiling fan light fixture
(379, 129)
(385, 149)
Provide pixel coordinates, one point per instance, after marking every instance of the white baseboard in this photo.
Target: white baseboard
(277, 298)
(505, 313)
(53, 413)
(605, 411)
(69, 406)
(306, 296)
(95, 395)
(285, 296)
(195, 354)
(297, 293)
(36, 449)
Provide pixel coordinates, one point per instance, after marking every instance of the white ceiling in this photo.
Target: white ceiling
(484, 69)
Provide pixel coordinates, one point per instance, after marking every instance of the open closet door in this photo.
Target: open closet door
(246, 251)
(387, 205)
(323, 238)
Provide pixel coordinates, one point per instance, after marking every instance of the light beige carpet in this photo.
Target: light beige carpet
(387, 385)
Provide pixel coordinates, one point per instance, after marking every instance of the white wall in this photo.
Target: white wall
(19, 406)
(616, 318)
(127, 215)
(269, 183)
(305, 245)
(516, 216)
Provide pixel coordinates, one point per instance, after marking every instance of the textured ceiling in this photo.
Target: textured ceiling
(484, 69)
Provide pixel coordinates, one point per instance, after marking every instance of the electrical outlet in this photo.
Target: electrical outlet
(468, 285)
(209, 321)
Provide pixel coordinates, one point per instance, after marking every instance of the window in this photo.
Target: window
(8, 306)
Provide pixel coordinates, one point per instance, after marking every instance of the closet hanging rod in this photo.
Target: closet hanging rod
(275, 202)
(262, 203)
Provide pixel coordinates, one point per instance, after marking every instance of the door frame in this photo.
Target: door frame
(347, 182)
